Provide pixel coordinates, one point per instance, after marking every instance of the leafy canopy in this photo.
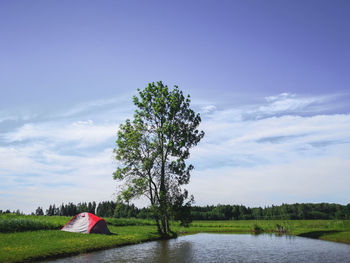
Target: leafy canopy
(153, 147)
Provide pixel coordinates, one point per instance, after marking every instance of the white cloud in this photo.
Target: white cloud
(208, 108)
(275, 155)
(62, 178)
(17, 115)
(84, 133)
(270, 140)
(96, 105)
(318, 179)
(282, 96)
(275, 159)
(57, 161)
(286, 103)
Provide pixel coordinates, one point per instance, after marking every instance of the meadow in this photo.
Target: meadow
(27, 238)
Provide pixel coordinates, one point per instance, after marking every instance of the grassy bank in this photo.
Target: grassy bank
(331, 230)
(22, 245)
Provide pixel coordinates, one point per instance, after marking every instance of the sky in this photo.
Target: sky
(269, 78)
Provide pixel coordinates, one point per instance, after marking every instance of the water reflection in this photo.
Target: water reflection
(167, 251)
(224, 248)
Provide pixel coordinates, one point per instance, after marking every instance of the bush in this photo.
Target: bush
(20, 225)
(257, 229)
(280, 229)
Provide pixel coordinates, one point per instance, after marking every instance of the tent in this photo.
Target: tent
(87, 223)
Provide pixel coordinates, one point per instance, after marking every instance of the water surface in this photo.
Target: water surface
(206, 247)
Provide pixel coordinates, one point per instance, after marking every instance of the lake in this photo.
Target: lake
(205, 247)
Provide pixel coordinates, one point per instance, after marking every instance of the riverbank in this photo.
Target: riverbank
(43, 244)
(329, 230)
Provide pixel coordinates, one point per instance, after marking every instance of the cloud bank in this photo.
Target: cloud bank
(285, 148)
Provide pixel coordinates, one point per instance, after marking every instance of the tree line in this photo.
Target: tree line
(241, 212)
(284, 211)
(69, 209)
(217, 212)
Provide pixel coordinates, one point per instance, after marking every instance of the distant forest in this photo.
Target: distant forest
(241, 212)
(218, 212)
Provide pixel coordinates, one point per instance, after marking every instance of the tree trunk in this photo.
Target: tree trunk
(163, 213)
(163, 200)
(158, 226)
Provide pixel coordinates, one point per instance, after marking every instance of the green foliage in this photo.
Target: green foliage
(284, 211)
(20, 223)
(257, 229)
(106, 209)
(70, 209)
(218, 212)
(152, 150)
(280, 229)
(129, 222)
(39, 211)
(125, 211)
(292, 227)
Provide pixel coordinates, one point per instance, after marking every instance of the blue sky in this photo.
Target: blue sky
(270, 79)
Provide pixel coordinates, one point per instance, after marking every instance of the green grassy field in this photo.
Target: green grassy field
(18, 243)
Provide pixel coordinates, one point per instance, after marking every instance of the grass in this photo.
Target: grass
(19, 223)
(129, 222)
(20, 246)
(17, 246)
(293, 227)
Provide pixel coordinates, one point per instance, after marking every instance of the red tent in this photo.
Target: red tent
(87, 223)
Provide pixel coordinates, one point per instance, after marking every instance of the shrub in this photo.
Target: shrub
(257, 229)
(280, 229)
(20, 225)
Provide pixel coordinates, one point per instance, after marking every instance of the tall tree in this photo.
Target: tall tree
(39, 211)
(152, 150)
